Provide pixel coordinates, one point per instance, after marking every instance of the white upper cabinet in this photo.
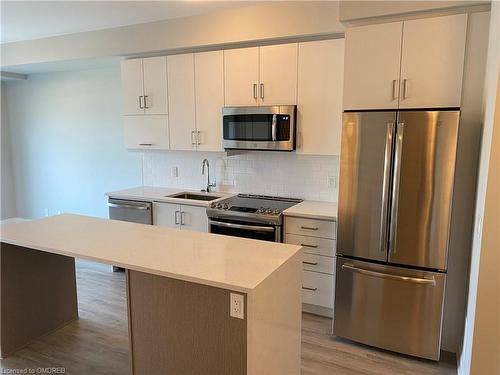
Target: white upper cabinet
(146, 132)
(155, 85)
(209, 95)
(241, 76)
(372, 61)
(261, 75)
(181, 102)
(320, 78)
(411, 64)
(144, 86)
(132, 87)
(432, 62)
(278, 74)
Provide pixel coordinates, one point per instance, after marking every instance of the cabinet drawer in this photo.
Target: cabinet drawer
(312, 245)
(317, 263)
(319, 289)
(310, 227)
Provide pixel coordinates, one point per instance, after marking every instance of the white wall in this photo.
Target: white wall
(492, 72)
(67, 142)
(8, 201)
(268, 173)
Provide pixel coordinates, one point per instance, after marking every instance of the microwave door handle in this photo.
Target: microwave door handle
(274, 128)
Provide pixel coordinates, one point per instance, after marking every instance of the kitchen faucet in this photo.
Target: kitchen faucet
(209, 185)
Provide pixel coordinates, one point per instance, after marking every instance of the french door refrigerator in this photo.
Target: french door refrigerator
(396, 183)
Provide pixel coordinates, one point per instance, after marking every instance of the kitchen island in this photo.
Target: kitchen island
(197, 302)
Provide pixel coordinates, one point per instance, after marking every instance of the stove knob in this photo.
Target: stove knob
(226, 206)
(276, 211)
(262, 210)
(219, 206)
(269, 211)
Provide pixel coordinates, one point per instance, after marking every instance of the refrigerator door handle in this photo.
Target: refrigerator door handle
(415, 280)
(385, 186)
(395, 186)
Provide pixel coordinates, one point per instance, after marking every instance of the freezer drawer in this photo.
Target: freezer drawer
(389, 307)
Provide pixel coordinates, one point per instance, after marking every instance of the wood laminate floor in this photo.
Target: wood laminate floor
(98, 342)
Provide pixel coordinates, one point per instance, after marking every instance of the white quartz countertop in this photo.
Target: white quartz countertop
(160, 194)
(222, 261)
(313, 210)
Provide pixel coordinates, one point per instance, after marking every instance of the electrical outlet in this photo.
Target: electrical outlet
(332, 181)
(237, 306)
(174, 172)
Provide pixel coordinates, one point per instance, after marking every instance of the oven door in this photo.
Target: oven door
(245, 230)
(259, 128)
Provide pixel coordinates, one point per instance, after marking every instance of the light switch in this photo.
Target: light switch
(175, 172)
(237, 306)
(332, 181)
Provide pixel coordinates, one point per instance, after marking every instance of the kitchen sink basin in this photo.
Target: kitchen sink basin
(194, 196)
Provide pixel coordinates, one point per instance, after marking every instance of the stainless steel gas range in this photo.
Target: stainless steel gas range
(258, 217)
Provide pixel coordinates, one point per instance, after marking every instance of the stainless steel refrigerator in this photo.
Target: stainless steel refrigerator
(396, 184)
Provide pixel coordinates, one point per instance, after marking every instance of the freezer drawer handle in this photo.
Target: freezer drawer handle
(115, 205)
(415, 280)
(311, 246)
(309, 228)
(310, 263)
(311, 289)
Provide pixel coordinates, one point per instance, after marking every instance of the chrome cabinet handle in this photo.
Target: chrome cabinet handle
(310, 263)
(198, 137)
(311, 246)
(394, 88)
(385, 186)
(255, 91)
(146, 102)
(404, 89)
(183, 221)
(176, 217)
(133, 207)
(309, 228)
(416, 280)
(145, 144)
(262, 91)
(193, 142)
(311, 289)
(395, 186)
(141, 106)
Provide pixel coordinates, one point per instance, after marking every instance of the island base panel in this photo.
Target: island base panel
(179, 327)
(37, 295)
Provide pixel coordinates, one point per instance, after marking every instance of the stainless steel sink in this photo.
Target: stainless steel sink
(194, 196)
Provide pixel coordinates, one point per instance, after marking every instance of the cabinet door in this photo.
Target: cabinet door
(194, 218)
(372, 62)
(155, 85)
(433, 61)
(146, 132)
(241, 76)
(132, 87)
(320, 81)
(278, 74)
(167, 215)
(181, 105)
(209, 93)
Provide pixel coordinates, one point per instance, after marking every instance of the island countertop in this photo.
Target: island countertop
(221, 261)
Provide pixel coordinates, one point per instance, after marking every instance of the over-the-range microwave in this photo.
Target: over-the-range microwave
(269, 128)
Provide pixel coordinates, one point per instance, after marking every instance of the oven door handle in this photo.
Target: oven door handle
(241, 226)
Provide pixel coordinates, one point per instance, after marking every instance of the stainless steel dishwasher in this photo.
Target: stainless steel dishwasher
(131, 211)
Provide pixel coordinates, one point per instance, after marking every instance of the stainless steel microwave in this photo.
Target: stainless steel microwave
(259, 128)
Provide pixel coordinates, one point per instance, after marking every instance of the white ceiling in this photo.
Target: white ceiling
(25, 20)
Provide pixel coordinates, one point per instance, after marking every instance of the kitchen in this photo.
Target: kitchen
(173, 124)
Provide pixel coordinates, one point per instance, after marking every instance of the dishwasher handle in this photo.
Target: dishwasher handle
(143, 207)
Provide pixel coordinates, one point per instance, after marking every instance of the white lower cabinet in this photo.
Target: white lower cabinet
(180, 216)
(317, 238)
(146, 132)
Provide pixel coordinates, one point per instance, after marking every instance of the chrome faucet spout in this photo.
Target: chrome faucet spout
(209, 185)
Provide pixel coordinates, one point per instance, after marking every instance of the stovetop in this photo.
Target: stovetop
(254, 208)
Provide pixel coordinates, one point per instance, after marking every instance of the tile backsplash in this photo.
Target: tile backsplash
(267, 173)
